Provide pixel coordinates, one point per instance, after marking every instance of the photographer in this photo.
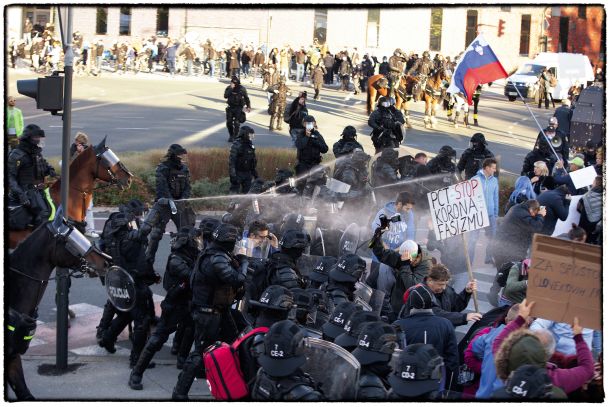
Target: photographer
(410, 265)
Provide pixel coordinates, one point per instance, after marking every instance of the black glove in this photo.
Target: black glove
(24, 199)
(52, 172)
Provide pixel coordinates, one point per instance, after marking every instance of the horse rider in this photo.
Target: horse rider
(397, 64)
(27, 169)
(423, 67)
(387, 126)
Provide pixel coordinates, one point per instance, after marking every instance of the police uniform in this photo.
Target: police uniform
(386, 124)
(423, 67)
(278, 103)
(242, 162)
(475, 100)
(385, 169)
(397, 64)
(354, 172)
(173, 181)
(237, 99)
(27, 169)
(216, 280)
(309, 148)
(347, 143)
(472, 158)
(343, 276)
(282, 267)
(175, 306)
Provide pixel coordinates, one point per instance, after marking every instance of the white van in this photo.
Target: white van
(567, 68)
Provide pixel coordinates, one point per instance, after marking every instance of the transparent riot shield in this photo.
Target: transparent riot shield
(337, 186)
(350, 239)
(120, 288)
(318, 246)
(253, 248)
(309, 226)
(369, 298)
(334, 369)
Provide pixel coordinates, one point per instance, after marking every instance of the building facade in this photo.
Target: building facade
(515, 32)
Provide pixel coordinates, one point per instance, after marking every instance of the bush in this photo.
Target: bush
(113, 196)
(506, 187)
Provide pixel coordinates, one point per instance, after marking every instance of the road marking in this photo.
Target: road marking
(193, 120)
(130, 117)
(211, 130)
(132, 128)
(61, 127)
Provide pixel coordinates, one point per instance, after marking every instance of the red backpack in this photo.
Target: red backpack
(223, 370)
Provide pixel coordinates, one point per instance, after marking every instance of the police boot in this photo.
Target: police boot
(466, 121)
(476, 119)
(185, 381)
(106, 342)
(135, 378)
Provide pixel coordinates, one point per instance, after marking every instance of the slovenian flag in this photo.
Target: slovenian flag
(479, 64)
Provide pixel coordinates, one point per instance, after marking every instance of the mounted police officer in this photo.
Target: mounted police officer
(126, 244)
(423, 67)
(242, 161)
(472, 158)
(27, 170)
(277, 106)
(347, 143)
(175, 306)
(173, 182)
(282, 268)
(216, 281)
(397, 64)
(387, 126)
(281, 377)
(237, 100)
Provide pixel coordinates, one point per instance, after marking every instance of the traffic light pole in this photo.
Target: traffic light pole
(62, 274)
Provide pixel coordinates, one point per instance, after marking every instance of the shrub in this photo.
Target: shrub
(113, 196)
(506, 187)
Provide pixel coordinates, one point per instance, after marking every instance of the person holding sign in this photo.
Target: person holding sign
(489, 182)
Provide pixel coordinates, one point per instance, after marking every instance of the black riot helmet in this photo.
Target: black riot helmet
(349, 268)
(120, 220)
(284, 349)
(184, 240)
(383, 100)
(478, 141)
(321, 269)
(235, 80)
(338, 319)
(176, 149)
(276, 298)
(306, 305)
(389, 155)
(207, 226)
(359, 157)
(31, 130)
(376, 343)
(282, 174)
(353, 327)
(447, 151)
(349, 133)
(136, 207)
(292, 221)
(295, 239)
(245, 133)
(225, 236)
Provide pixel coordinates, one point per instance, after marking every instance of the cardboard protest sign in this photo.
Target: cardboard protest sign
(564, 226)
(583, 177)
(564, 279)
(458, 209)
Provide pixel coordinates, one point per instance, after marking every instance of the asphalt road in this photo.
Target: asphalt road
(146, 111)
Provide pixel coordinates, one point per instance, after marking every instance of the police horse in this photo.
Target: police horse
(98, 163)
(432, 95)
(53, 244)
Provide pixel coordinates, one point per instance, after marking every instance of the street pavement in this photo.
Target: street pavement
(146, 111)
(94, 374)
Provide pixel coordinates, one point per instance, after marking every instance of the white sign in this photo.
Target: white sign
(458, 209)
(564, 226)
(583, 177)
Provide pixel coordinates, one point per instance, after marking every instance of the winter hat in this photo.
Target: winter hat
(419, 297)
(528, 350)
(577, 161)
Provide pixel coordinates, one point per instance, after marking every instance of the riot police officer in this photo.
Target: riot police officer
(423, 67)
(339, 317)
(216, 281)
(385, 169)
(282, 268)
(397, 64)
(376, 343)
(310, 146)
(354, 172)
(175, 306)
(173, 181)
(347, 143)
(237, 100)
(443, 162)
(126, 245)
(27, 170)
(277, 106)
(280, 377)
(472, 158)
(348, 340)
(242, 161)
(343, 277)
(318, 276)
(387, 127)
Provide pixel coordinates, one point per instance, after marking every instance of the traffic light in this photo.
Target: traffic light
(501, 27)
(48, 92)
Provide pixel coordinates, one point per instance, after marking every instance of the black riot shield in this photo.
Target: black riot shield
(335, 369)
(349, 239)
(120, 288)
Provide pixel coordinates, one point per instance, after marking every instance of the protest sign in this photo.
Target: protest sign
(564, 226)
(584, 177)
(458, 209)
(564, 279)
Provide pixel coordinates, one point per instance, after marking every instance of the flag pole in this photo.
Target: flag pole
(536, 120)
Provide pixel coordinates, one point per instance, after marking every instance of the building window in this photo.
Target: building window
(372, 28)
(125, 21)
(505, 8)
(472, 17)
(436, 28)
(582, 11)
(319, 26)
(162, 21)
(101, 21)
(524, 42)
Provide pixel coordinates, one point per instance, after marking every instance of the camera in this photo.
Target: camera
(384, 221)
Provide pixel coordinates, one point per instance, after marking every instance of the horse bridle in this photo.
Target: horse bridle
(110, 159)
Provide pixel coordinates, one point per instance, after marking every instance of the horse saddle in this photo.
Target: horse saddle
(20, 218)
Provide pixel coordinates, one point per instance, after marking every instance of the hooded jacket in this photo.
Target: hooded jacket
(490, 191)
(515, 232)
(568, 380)
(557, 208)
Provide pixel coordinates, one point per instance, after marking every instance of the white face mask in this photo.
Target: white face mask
(41, 143)
(385, 104)
(309, 126)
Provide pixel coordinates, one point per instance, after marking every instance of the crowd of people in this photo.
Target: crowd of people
(285, 262)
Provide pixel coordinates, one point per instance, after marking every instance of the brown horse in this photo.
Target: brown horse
(377, 87)
(432, 95)
(93, 164)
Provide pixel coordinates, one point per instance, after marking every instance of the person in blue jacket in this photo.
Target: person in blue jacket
(489, 182)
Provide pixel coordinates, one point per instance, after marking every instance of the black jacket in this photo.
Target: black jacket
(237, 97)
(296, 114)
(283, 271)
(178, 273)
(450, 305)
(515, 232)
(345, 147)
(471, 161)
(564, 116)
(310, 149)
(557, 208)
(537, 155)
(384, 68)
(173, 180)
(298, 386)
(383, 173)
(26, 167)
(242, 158)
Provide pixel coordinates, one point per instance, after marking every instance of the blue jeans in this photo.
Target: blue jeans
(212, 67)
(490, 233)
(245, 68)
(189, 67)
(171, 65)
(300, 72)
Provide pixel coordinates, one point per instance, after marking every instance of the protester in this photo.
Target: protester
(557, 204)
(489, 183)
(590, 208)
